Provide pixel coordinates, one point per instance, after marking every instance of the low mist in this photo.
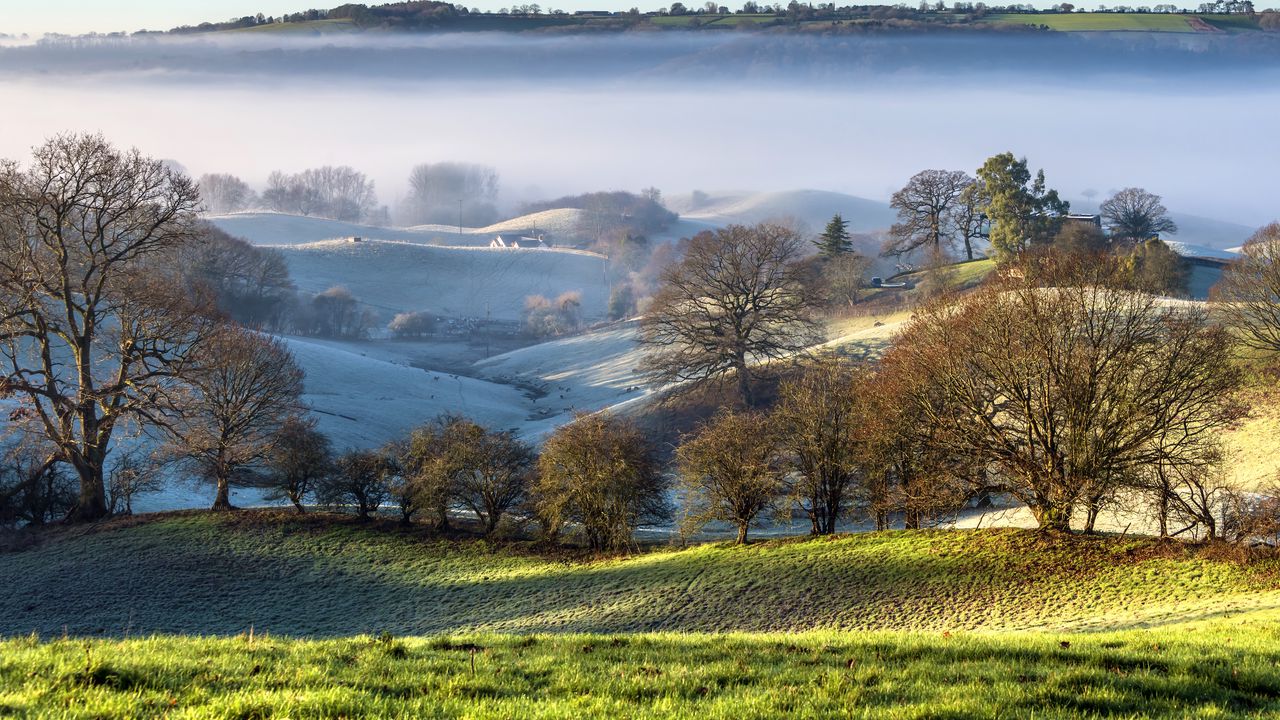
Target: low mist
(555, 115)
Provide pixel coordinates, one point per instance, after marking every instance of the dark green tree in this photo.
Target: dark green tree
(835, 239)
(1022, 210)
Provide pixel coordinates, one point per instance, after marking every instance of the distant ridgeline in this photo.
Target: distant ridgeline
(1223, 16)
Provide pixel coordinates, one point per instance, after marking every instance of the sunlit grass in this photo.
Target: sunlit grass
(1218, 671)
(332, 576)
(1076, 22)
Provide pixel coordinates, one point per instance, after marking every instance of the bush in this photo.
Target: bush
(360, 479)
(412, 325)
(601, 473)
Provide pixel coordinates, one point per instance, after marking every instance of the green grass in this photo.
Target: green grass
(1232, 23)
(711, 20)
(1100, 22)
(1215, 672)
(332, 576)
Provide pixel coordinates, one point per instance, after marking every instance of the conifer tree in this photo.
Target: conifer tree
(835, 239)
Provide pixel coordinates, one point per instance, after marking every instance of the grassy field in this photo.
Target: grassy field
(331, 576)
(1217, 671)
(1098, 22)
(257, 615)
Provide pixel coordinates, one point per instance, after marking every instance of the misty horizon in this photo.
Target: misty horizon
(566, 114)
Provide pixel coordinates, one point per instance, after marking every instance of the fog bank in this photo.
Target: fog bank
(680, 111)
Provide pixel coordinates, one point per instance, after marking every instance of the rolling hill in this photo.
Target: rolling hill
(475, 282)
(270, 228)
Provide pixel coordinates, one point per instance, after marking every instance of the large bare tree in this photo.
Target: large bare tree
(244, 388)
(925, 208)
(737, 299)
(91, 336)
(1057, 391)
(1135, 215)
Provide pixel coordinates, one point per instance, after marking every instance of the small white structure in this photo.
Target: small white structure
(519, 242)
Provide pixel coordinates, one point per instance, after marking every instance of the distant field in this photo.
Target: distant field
(331, 576)
(312, 27)
(1223, 670)
(1077, 22)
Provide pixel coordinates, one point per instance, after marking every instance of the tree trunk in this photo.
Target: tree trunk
(1053, 518)
(491, 523)
(744, 383)
(742, 534)
(297, 503)
(223, 500)
(1164, 514)
(1091, 516)
(92, 502)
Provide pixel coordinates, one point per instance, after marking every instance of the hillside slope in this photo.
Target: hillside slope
(812, 207)
(321, 575)
(271, 228)
(450, 281)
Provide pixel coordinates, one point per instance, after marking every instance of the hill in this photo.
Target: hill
(323, 575)
(812, 207)
(269, 228)
(474, 282)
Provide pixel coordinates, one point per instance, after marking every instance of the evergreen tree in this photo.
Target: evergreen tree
(835, 239)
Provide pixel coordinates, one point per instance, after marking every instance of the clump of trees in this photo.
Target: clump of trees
(415, 324)
(449, 193)
(613, 214)
(544, 317)
(1090, 385)
(339, 193)
(223, 193)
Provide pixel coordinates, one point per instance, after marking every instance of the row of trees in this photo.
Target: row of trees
(438, 193)
(599, 475)
(1008, 206)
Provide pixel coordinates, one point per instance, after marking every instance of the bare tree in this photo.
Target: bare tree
(925, 207)
(131, 473)
(820, 416)
(731, 471)
(1055, 390)
(1135, 215)
(360, 479)
(91, 335)
(225, 193)
(298, 461)
(1248, 296)
(488, 471)
(968, 218)
(738, 298)
(245, 386)
(340, 193)
(601, 473)
(438, 192)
